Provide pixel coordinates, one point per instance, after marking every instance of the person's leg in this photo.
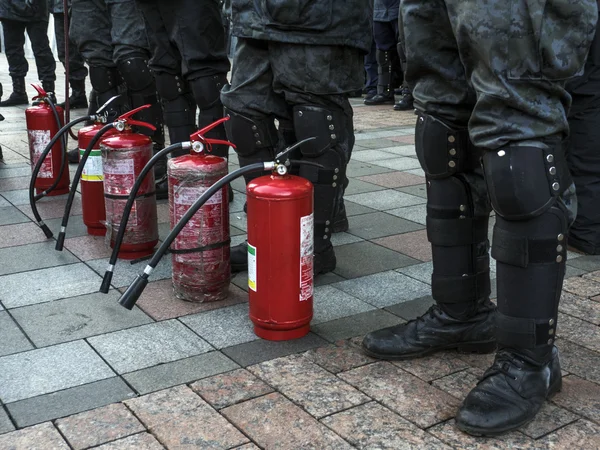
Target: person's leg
(14, 44)
(385, 35)
(44, 59)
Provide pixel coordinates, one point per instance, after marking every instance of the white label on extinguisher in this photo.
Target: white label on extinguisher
(92, 171)
(252, 267)
(38, 141)
(188, 195)
(306, 257)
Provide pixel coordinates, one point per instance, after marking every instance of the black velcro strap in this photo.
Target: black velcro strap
(460, 289)
(454, 232)
(317, 175)
(119, 197)
(524, 333)
(520, 251)
(204, 248)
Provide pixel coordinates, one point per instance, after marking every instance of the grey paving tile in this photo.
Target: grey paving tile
(223, 327)
(400, 150)
(412, 308)
(367, 141)
(574, 271)
(417, 213)
(21, 289)
(240, 279)
(125, 272)
(13, 172)
(418, 172)
(588, 262)
(419, 190)
(69, 401)
(358, 187)
(370, 156)
(261, 350)
(330, 304)
(327, 278)
(12, 339)
(380, 224)
(373, 258)
(179, 372)
(238, 220)
(3, 202)
(5, 423)
(76, 226)
(10, 215)
(33, 256)
(50, 369)
(401, 163)
(386, 199)
(19, 197)
(360, 169)
(344, 238)
(384, 289)
(148, 345)
(238, 203)
(76, 318)
(354, 209)
(421, 272)
(357, 325)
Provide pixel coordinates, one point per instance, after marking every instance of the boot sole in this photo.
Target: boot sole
(480, 347)
(480, 432)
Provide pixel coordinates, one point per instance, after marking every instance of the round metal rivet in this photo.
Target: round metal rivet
(429, 184)
(551, 322)
(421, 119)
(331, 127)
(501, 153)
(560, 237)
(550, 341)
(452, 152)
(258, 143)
(326, 230)
(559, 248)
(179, 89)
(462, 208)
(559, 258)
(325, 237)
(335, 177)
(254, 128)
(334, 184)
(327, 222)
(452, 164)
(550, 158)
(336, 170)
(552, 170)
(300, 113)
(333, 136)
(256, 135)
(451, 138)
(555, 186)
(551, 331)
(329, 118)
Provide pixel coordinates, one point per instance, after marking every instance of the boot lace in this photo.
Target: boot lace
(502, 364)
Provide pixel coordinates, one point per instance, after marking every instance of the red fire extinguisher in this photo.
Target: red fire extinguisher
(124, 155)
(44, 119)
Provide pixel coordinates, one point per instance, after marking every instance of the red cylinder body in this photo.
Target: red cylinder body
(41, 128)
(280, 256)
(124, 155)
(92, 186)
(200, 253)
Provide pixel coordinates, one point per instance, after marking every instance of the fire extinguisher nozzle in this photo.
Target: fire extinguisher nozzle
(60, 241)
(105, 286)
(46, 230)
(133, 292)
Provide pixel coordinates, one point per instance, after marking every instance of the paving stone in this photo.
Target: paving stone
(374, 225)
(588, 263)
(409, 139)
(179, 372)
(448, 433)
(326, 278)
(230, 388)
(594, 276)
(358, 169)
(238, 220)
(20, 197)
(367, 156)
(88, 247)
(40, 437)
(125, 272)
(580, 396)
(138, 441)
(331, 304)
(577, 330)
(385, 288)
(99, 426)
(148, 345)
(579, 435)
(46, 370)
(431, 368)
(414, 244)
(400, 163)
(374, 426)
(33, 256)
(12, 339)
(418, 172)
(223, 327)
(5, 423)
(581, 286)
(458, 384)
(13, 172)
(20, 234)
(579, 360)
(357, 186)
(385, 200)
(359, 324)
(249, 446)
(44, 285)
(53, 209)
(401, 150)
(354, 209)
(308, 385)
(479, 362)
(420, 190)
(22, 182)
(374, 258)
(405, 394)
(338, 357)
(550, 418)
(392, 180)
(368, 140)
(417, 213)
(421, 272)
(181, 419)
(3, 202)
(272, 421)
(240, 280)
(262, 350)
(76, 226)
(580, 307)
(338, 239)
(413, 308)
(159, 302)
(69, 401)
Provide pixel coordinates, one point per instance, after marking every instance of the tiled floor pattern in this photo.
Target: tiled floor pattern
(78, 371)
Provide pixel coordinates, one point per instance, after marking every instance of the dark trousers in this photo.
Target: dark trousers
(371, 69)
(385, 35)
(14, 42)
(77, 69)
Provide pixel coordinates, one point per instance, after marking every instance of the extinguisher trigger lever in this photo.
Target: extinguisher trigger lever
(125, 119)
(41, 92)
(206, 129)
(293, 147)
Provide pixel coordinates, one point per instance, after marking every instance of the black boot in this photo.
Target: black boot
(406, 102)
(49, 87)
(239, 257)
(389, 71)
(18, 95)
(510, 394)
(77, 99)
(340, 221)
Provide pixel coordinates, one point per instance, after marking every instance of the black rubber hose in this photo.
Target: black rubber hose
(127, 211)
(65, 220)
(135, 289)
(36, 169)
(63, 144)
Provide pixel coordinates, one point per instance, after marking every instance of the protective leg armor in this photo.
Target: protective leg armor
(389, 70)
(105, 82)
(207, 93)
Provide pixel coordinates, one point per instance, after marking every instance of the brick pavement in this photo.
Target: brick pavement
(78, 371)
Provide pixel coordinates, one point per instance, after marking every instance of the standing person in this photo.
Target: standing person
(488, 85)
(18, 17)
(77, 70)
(296, 63)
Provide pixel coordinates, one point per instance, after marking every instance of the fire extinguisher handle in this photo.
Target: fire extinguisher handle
(126, 118)
(41, 92)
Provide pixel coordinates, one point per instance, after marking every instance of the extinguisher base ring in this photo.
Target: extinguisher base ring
(281, 335)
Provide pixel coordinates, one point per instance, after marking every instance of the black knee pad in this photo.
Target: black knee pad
(137, 75)
(207, 90)
(327, 126)
(105, 82)
(250, 135)
(179, 108)
(443, 151)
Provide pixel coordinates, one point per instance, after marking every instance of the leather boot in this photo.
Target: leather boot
(77, 99)
(406, 102)
(18, 95)
(239, 257)
(510, 393)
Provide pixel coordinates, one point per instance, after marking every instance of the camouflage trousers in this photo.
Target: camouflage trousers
(496, 66)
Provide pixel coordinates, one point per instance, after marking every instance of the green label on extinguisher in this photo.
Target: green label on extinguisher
(252, 267)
